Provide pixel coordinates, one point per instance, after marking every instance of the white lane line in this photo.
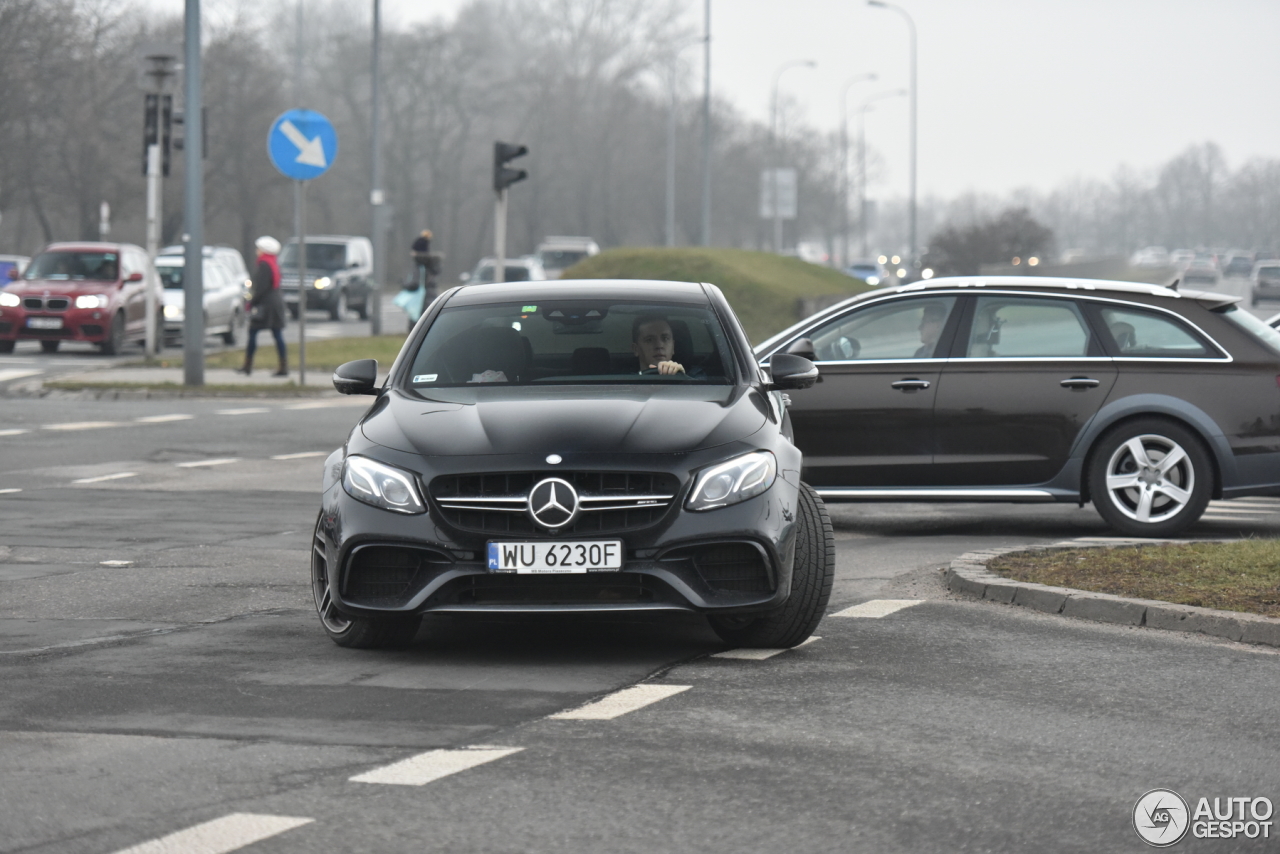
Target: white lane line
(115, 563)
(315, 404)
(14, 431)
(83, 425)
(229, 833)
(1219, 517)
(249, 410)
(300, 456)
(16, 374)
(1248, 511)
(120, 475)
(759, 654)
(877, 608)
(9, 491)
(163, 419)
(195, 464)
(620, 703)
(432, 765)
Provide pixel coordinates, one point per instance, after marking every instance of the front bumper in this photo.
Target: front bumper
(76, 324)
(735, 559)
(318, 299)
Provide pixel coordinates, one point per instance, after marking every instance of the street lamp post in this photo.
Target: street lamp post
(777, 153)
(670, 235)
(862, 159)
(911, 30)
(844, 164)
(706, 128)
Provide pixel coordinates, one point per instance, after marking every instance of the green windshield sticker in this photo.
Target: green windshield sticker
(529, 309)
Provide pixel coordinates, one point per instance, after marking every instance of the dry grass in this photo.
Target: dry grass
(1238, 576)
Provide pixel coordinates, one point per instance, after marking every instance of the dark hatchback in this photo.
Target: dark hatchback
(520, 458)
(1146, 401)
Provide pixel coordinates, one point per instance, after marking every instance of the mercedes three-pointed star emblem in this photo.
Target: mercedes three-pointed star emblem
(553, 503)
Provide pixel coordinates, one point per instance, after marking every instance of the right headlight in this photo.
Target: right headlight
(9, 300)
(381, 485)
(733, 481)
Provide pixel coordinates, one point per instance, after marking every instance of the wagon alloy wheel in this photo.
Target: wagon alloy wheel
(1152, 478)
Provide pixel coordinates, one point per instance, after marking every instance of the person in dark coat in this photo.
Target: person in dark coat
(266, 305)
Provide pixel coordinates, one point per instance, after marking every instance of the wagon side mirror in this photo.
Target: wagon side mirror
(134, 277)
(358, 377)
(791, 372)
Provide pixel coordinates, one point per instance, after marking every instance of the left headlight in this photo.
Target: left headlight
(9, 300)
(323, 283)
(731, 482)
(381, 485)
(173, 312)
(91, 301)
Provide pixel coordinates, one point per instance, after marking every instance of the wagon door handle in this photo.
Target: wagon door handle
(1080, 383)
(910, 385)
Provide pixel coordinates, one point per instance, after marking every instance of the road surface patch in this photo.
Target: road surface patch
(120, 475)
(745, 654)
(620, 703)
(432, 765)
(229, 833)
(877, 608)
(195, 464)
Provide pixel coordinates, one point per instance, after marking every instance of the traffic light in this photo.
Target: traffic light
(157, 123)
(502, 176)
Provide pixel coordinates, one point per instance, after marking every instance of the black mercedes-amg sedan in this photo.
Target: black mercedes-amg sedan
(573, 446)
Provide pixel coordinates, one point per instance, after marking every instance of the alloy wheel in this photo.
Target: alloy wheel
(1150, 478)
(321, 591)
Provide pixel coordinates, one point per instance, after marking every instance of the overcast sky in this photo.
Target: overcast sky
(1013, 93)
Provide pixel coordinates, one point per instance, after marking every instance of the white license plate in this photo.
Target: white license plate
(559, 558)
(44, 322)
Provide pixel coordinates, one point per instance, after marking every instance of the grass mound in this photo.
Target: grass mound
(322, 354)
(765, 290)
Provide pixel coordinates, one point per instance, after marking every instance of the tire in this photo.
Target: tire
(49, 346)
(1146, 496)
(115, 340)
(237, 320)
(293, 312)
(354, 633)
(811, 580)
(363, 311)
(7, 346)
(339, 307)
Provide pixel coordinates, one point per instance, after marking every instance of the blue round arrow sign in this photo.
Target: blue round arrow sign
(302, 144)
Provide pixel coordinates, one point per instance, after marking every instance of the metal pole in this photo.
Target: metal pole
(911, 31)
(500, 237)
(844, 165)
(862, 156)
(300, 223)
(375, 195)
(153, 238)
(706, 129)
(193, 206)
(671, 158)
(777, 154)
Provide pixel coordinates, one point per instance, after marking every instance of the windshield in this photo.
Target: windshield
(170, 270)
(93, 266)
(561, 259)
(320, 256)
(606, 341)
(1249, 323)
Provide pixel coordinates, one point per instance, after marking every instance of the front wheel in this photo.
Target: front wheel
(7, 346)
(356, 633)
(115, 340)
(339, 307)
(811, 580)
(233, 325)
(1150, 478)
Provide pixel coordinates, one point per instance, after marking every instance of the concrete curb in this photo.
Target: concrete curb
(968, 574)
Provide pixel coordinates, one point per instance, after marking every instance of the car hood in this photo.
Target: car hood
(521, 420)
(61, 286)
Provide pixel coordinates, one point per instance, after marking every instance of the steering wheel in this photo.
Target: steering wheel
(653, 372)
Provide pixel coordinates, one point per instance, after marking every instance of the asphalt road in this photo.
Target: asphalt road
(164, 672)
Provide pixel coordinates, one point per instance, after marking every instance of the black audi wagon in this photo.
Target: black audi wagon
(1146, 400)
(573, 446)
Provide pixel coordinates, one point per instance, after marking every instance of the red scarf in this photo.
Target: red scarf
(275, 269)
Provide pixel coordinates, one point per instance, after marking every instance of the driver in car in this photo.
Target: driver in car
(931, 323)
(654, 345)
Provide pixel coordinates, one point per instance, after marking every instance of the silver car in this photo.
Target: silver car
(223, 299)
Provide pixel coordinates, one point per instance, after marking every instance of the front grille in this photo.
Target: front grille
(34, 303)
(57, 303)
(47, 333)
(388, 576)
(614, 588)
(611, 502)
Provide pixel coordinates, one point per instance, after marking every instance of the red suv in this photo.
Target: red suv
(94, 292)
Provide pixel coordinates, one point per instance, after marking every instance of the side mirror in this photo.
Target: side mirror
(134, 277)
(791, 372)
(802, 347)
(358, 377)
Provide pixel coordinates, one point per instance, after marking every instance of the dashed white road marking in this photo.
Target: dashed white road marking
(877, 608)
(163, 419)
(10, 491)
(229, 833)
(432, 765)
(620, 703)
(115, 563)
(759, 654)
(299, 456)
(120, 475)
(82, 425)
(16, 374)
(1223, 517)
(196, 464)
(315, 404)
(14, 431)
(248, 410)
